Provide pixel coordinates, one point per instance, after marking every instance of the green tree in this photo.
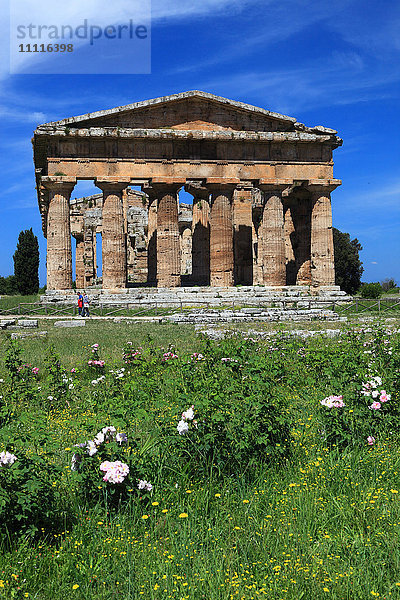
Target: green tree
(348, 266)
(8, 285)
(371, 290)
(26, 263)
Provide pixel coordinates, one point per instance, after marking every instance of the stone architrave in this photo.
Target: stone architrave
(59, 255)
(168, 238)
(221, 235)
(113, 236)
(273, 254)
(322, 255)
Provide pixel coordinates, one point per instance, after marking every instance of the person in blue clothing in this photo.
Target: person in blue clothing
(85, 306)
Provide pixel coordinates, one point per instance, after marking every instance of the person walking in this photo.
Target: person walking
(86, 304)
(80, 304)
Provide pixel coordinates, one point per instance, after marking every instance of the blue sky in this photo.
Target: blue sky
(326, 63)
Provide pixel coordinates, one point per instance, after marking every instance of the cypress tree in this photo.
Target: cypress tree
(348, 266)
(26, 263)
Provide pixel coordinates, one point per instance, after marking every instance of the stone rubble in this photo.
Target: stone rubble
(249, 315)
(12, 324)
(32, 334)
(80, 323)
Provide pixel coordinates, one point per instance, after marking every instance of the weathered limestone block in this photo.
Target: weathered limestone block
(322, 257)
(273, 240)
(5, 323)
(113, 239)
(221, 236)
(59, 256)
(24, 334)
(78, 323)
(28, 323)
(168, 242)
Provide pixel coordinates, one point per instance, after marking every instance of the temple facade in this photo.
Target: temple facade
(260, 183)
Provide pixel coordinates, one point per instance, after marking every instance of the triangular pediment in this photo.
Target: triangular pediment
(193, 110)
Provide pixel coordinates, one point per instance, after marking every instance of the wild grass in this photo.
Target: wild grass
(324, 523)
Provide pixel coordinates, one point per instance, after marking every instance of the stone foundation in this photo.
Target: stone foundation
(212, 296)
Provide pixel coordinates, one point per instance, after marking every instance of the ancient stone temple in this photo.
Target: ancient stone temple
(260, 182)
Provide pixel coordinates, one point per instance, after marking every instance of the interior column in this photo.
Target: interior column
(200, 234)
(79, 262)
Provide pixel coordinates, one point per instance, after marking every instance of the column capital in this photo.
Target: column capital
(161, 188)
(151, 192)
(274, 185)
(225, 188)
(58, 184)
(246, 185)
(198, 189)
(112, 184)
(322, 186)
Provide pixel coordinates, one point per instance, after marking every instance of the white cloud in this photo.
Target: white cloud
(19, 114)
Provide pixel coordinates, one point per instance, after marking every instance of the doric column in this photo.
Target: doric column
(221, 235)
(289, 233)
(89, 253)
(168, 241)
(303, 234)
(322, 257)
(59, 256)
(272, 237)
(113, 235)
(243, 233)
(79, 262)
(200, 234)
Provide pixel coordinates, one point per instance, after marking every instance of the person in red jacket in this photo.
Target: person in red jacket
(80, 303)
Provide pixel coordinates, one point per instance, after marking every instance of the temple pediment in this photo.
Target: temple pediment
(189, 111)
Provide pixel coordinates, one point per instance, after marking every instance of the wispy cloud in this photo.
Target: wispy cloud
(274, 26)
(22, 115)
(339, 79)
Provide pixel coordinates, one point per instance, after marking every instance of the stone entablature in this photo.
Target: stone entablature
(260, 182)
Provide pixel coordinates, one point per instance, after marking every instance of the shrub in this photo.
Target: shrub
(8, 285)
(107, 467)
(389, 285)
(368, 408)
(27, 496)
(371, 290)
(239, 417)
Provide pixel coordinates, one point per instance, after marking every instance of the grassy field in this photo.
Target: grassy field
(269, 495)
